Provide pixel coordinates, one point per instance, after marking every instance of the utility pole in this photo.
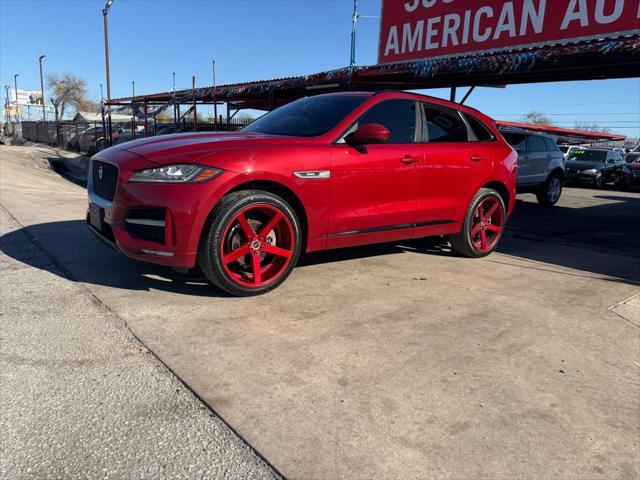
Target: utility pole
(44, 115)
(215, 99)
(105, 14)
(133, 115)
(15, 88)
(176, 110)
(354, 21)
(6, 103)
(104, 125)
(195, 112)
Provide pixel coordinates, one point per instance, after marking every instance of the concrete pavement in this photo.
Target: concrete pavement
(82, 398)
(394, 361)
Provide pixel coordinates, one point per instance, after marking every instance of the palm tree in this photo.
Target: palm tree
(67, 90)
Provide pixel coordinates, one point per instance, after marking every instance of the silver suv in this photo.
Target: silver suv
(540, 165)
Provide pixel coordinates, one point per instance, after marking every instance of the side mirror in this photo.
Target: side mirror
(368, 134)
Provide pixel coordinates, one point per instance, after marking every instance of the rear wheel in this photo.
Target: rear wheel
(250, 244)
(550, 191)
(483, 225)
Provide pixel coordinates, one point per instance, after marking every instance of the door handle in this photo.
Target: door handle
(476, 158)
(409, 159)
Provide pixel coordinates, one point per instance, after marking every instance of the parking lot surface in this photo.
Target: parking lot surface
(395, 361)
(82, 398)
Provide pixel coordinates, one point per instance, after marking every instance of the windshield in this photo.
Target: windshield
(307, 117)
(589, 156)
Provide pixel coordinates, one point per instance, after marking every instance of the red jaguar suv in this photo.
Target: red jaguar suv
(322, 172)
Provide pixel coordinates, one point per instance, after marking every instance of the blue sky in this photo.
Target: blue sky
(250, 39)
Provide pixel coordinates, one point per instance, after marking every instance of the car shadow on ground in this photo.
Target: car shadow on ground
(77, 255)
(74, 253)
(611, 224)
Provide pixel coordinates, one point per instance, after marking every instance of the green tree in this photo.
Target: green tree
(537, 118)
(67, 91)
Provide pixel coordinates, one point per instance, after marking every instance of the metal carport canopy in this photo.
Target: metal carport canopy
(586, 60)
(562, 132)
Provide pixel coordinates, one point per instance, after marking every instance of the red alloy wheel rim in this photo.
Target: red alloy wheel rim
(487, 224)
(257, 245)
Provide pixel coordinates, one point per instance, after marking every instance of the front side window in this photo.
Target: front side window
(397, 116)
(444, 125)
(551, 145)
(536, 144)
(307, 117)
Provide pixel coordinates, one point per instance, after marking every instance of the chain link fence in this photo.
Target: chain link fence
(90, 137)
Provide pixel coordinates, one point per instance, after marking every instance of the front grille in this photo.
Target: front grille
(105, 179)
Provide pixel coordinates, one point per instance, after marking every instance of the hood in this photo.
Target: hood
(580, 165)
(166, 149)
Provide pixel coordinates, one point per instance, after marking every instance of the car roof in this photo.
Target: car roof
(417, 96)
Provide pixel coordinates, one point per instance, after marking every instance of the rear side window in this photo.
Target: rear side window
(482, 133)
(398, 116)
(444, 125)
(551, 145)
(517, 140)
(536, 144)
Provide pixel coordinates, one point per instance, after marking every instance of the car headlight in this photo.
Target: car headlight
(181, 173)
(626, 170)
(591, 171)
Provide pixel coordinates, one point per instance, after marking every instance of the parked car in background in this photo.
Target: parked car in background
(632, 157)
(620, 150)
(166, 129)
(540, 165)
(323, 172)
(630, 176)
(85, 141)
(594, 166)
(567, 150)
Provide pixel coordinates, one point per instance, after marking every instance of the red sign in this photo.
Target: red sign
(420, 29)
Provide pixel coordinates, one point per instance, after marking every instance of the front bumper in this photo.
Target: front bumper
(177, 213)
(580, 177)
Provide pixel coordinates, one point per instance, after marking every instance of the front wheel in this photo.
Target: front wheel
(483, 225)
(550, 191)
(250, 243)
(598, 182)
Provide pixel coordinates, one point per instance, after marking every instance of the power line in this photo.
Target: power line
(566, 114)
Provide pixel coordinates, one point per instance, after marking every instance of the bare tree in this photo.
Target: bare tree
(591, 127)
(67, 90)
(537, 118)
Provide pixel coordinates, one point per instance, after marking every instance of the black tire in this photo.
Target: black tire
(550, 191)
(209, 254)
(461, 242)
